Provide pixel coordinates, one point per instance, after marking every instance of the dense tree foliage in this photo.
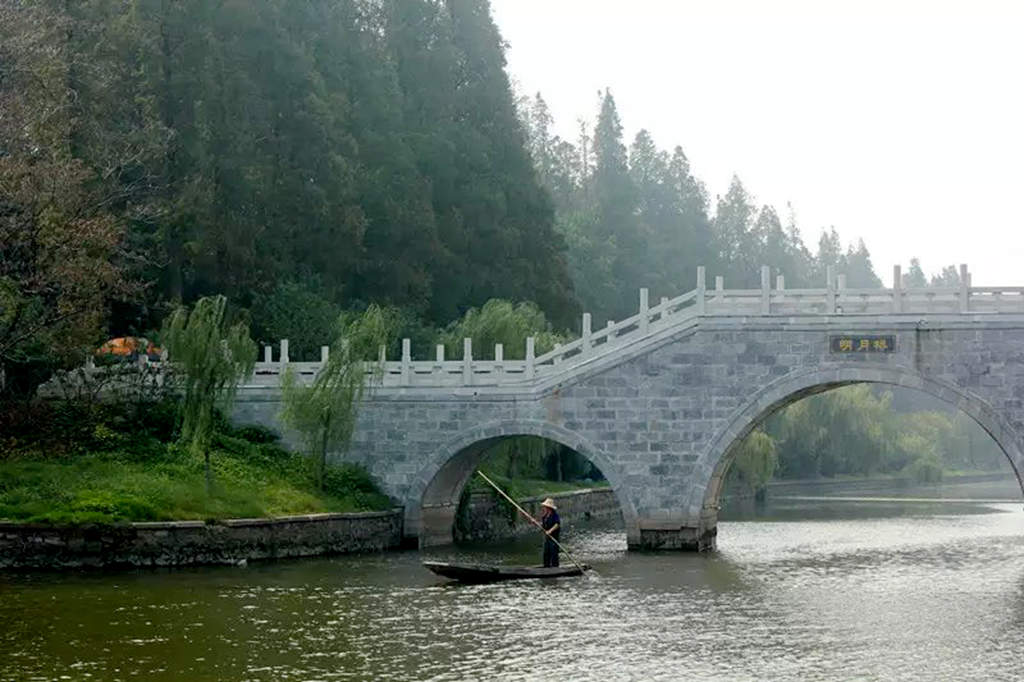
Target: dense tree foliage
(638, 217)
(861, 430)
(304, 159)
(355, 151)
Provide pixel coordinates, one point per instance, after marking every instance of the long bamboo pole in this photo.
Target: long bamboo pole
(532, 520)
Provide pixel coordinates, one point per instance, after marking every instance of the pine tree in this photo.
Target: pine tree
(738, 246)
(914, 277)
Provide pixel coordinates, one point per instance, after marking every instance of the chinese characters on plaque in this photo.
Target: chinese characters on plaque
(862, 344)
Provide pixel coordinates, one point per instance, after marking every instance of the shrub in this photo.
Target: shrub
(257, 434)
(353, 481)
(925, 469)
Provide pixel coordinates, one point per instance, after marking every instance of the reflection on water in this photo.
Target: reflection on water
(819, 589)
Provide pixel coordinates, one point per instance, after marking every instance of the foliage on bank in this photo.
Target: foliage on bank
(863, 431)
(112, 467)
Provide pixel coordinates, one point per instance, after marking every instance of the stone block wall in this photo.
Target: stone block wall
(483, 517)
(178, 543)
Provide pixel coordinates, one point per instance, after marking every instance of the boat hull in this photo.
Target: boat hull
(475, 573)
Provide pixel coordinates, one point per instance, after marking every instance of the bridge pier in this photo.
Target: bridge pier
(673, 537)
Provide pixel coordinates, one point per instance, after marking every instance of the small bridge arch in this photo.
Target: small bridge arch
(435, 493)
(714, 463)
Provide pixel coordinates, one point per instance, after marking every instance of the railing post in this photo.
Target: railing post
(644, 322)
(611, 332)
(439, 358)
(530, 356)
(965, 288)
(406, 360)
(555, 359)
(268, 354)
(499, 359)
(467, 362)
(325, 353)
(284, 352)
(585, 339)
(897, 289)
(702, 286)
(830, 290)
(780, 286)
(766, 290)
(382, 357)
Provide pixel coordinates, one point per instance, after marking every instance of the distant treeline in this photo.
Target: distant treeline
(862, 430)
(305, 159)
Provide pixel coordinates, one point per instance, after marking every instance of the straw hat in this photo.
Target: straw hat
(549, 503)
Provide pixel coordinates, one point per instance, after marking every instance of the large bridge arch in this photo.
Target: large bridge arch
(714, 463)
(433, 498)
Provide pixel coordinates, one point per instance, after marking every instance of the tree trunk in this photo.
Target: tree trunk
(322, 468)
(209, 472)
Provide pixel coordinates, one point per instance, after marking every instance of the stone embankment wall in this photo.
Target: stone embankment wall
(485, 517)
(177, 543)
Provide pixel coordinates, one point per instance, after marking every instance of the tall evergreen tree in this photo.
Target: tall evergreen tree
(737, 244)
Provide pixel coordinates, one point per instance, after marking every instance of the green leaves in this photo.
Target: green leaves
(504, 322)
(324, 411)
(210, 358)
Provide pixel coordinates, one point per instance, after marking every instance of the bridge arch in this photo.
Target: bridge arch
(716, 458)
(434, 496)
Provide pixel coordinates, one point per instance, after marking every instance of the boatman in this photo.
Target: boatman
(551, 524)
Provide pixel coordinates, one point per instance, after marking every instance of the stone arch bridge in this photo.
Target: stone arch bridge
(657, 400)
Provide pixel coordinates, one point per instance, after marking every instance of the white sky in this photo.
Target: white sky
(898, 122)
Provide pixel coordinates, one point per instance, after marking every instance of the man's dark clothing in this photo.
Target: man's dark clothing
(550, 548)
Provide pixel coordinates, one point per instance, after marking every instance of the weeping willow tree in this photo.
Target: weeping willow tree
(210, 358)
(324, 412)
(755, 462)
(504, 322)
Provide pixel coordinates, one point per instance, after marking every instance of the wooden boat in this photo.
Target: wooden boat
(474, 573)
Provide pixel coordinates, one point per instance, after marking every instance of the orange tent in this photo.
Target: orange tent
(129, 346)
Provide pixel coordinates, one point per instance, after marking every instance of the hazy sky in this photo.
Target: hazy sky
(898, 122)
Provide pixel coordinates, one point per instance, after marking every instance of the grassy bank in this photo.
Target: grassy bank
(519, 488)
(149, 480)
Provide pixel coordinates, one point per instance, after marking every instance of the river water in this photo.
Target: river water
(912, 585)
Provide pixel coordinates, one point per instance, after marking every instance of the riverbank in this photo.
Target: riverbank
(163, 482)
(849, 484)
(484, 517)
(183, 543)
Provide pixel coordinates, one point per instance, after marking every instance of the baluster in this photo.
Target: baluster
(766, 290)
(702, 286)
(897, 289)
(530, 356)
(406, 360)
(644, 321)
(467, 362)
(830, 290)
(965, 288)
(585, 338)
